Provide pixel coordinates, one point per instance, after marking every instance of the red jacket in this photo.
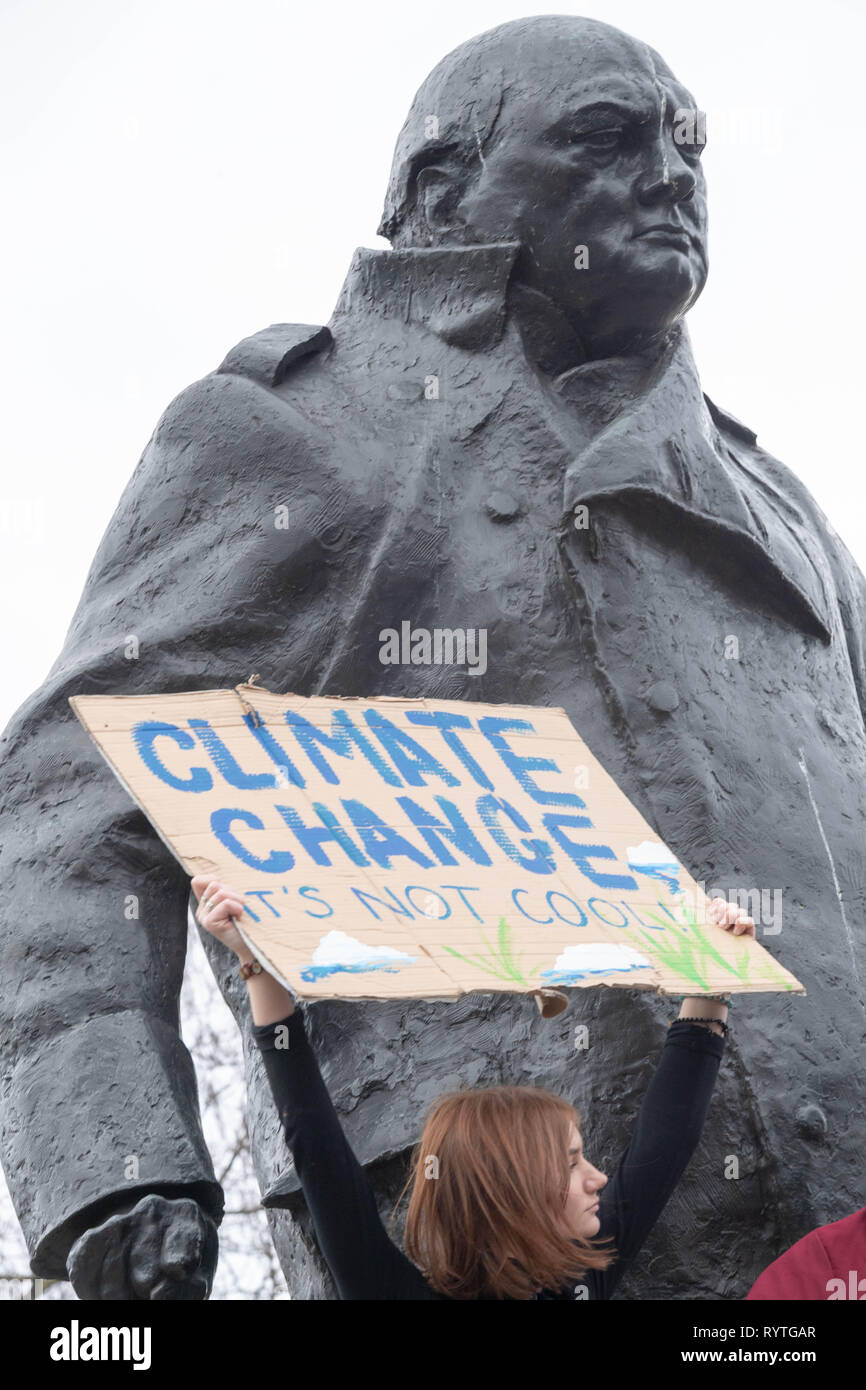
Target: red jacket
(828, 1263)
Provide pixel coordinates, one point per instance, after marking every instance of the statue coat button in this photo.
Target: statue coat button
(501, 506)
(662, 697)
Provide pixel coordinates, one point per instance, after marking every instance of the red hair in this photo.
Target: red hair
(490, 1180)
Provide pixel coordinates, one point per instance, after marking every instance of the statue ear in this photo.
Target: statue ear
(438, 194)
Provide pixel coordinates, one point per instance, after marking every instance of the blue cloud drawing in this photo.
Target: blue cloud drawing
(338, 954)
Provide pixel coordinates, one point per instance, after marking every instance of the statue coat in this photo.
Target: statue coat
(432, 473)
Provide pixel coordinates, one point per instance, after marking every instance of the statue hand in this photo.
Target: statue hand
(161, 1248)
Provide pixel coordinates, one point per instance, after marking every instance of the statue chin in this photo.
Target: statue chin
(641, 311)
(640, 330)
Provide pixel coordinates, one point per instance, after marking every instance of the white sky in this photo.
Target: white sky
(180, 173)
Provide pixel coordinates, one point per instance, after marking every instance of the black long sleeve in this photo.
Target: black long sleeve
(666, 1134)
(364, 1261)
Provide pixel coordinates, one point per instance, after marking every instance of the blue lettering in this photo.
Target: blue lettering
(667, 910)
(275, 752)
(311, 836)
(381, 842)
(542, 862)
(458, 832)
(225, 762)
(278, 862)
(465, 889)
(143, 736)
(308, 894)
(395, 905)
(581, 854)
(340, 740)
(602, 918)
(407, 754)
(583, 917)
(491, 726)
(262, 894)
(419, 888)
(446, 723)
(543, 921)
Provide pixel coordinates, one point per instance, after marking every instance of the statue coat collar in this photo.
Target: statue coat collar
(630, 428)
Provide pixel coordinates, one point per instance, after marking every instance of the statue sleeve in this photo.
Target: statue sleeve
(851, 598)
(99, 1099)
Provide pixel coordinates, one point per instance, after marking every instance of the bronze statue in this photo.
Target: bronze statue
(501, 429)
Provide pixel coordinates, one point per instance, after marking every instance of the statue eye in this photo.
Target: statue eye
(598, 139)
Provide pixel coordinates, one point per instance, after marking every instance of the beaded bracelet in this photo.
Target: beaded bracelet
(717, 1021)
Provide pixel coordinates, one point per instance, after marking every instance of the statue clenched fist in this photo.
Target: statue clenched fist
(160, 1248)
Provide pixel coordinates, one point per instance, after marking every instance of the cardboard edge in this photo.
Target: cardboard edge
(74, 701)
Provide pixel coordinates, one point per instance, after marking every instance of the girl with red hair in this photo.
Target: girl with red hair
(505, 1203)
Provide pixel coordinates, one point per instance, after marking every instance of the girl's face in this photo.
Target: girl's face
(581, 1208)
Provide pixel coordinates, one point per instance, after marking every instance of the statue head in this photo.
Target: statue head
(562, 133)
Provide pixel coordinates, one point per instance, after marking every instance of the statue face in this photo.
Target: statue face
(592, 155)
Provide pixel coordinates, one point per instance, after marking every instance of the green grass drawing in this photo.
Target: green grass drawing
(685, 948)
(501, 960)
(690, 951)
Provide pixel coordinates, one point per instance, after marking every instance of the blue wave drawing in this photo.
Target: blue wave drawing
(656, 871)
(358, 967)
(665, 870)
(570, 977)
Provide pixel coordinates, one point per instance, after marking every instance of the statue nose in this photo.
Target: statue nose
(676, 184)
(667, 175)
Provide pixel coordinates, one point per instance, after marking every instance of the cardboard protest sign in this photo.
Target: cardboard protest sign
(390, 848)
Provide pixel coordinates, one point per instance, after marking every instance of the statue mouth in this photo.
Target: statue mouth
(666, 234)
